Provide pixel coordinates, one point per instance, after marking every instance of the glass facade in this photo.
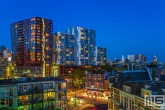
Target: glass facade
(32, 46)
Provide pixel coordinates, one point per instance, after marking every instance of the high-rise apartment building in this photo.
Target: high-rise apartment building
(140, 58)
(64, 49)
(32, 46)
(85, 53)
(101, 55)
(131, 58)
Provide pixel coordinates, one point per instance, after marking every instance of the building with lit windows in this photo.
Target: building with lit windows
(5, 54)
(85, 53)
(64, 49)
(140, 58)
(6, 68)
(32, 46)
(34, 93)
(96, 85)
(128, 90)
(101, 55)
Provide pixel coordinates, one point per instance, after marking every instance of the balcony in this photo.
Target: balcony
(49, 107)
(23, 102)
(61, 106)
(51, 98)
(24, 92)
(121, 107)
(49, 90)
(63, 97)
(37, 100)
(64, 105)
(117, 102)
(37, 90)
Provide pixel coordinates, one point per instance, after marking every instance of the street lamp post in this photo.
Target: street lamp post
(75, 97)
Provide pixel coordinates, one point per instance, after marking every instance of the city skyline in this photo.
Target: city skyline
(124, 27)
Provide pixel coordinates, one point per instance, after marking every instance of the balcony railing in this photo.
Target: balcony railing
(24, 102)
(37, 100)
(49, 90)
(63, 97)
(117, 102)
(24, 92)
(37, 90)
(51, 98)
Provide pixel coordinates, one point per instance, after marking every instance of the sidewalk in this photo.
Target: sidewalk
(71, 106)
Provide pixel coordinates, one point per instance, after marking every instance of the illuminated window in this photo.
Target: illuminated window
(33, 19)
(32, 33)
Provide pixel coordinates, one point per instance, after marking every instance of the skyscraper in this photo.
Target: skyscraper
(32, 46)
(64, 49)
(85, 45)
(101, 55)
(140, 58)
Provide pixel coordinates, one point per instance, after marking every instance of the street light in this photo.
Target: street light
(75, 98)
(80, 101)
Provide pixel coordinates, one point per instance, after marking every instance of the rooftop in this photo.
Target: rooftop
(29, 80)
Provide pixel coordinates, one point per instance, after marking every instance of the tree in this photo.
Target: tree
(107, 67)
(125, 67)
(90, 68)
(78, 77)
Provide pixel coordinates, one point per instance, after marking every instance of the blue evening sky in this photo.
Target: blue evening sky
(123, 26)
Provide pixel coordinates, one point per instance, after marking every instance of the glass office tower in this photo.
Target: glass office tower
(32, 46)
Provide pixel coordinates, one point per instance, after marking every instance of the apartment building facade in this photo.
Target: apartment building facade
(128, 90)
(96, 84)
(64, 49)
(85, 45)
(32, 46)
(123, 99)
(34, 94)
(101, 55)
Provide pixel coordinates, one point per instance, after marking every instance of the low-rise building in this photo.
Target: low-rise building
(128, 90)
(96, 84)
(34, 93)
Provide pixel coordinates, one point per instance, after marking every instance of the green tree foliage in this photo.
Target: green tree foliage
(90, 68)
(107, 67)
(78, 77)
(125, 67)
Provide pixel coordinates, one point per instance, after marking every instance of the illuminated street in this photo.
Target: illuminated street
(82, 100)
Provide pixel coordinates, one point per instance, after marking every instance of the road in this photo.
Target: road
(82, 101)
(85, 107)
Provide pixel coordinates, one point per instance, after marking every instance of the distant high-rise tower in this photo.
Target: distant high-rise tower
(131, 58)
(140, 58)
(85, 45)
(101, 55)
(122, 58)
(32, 46)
